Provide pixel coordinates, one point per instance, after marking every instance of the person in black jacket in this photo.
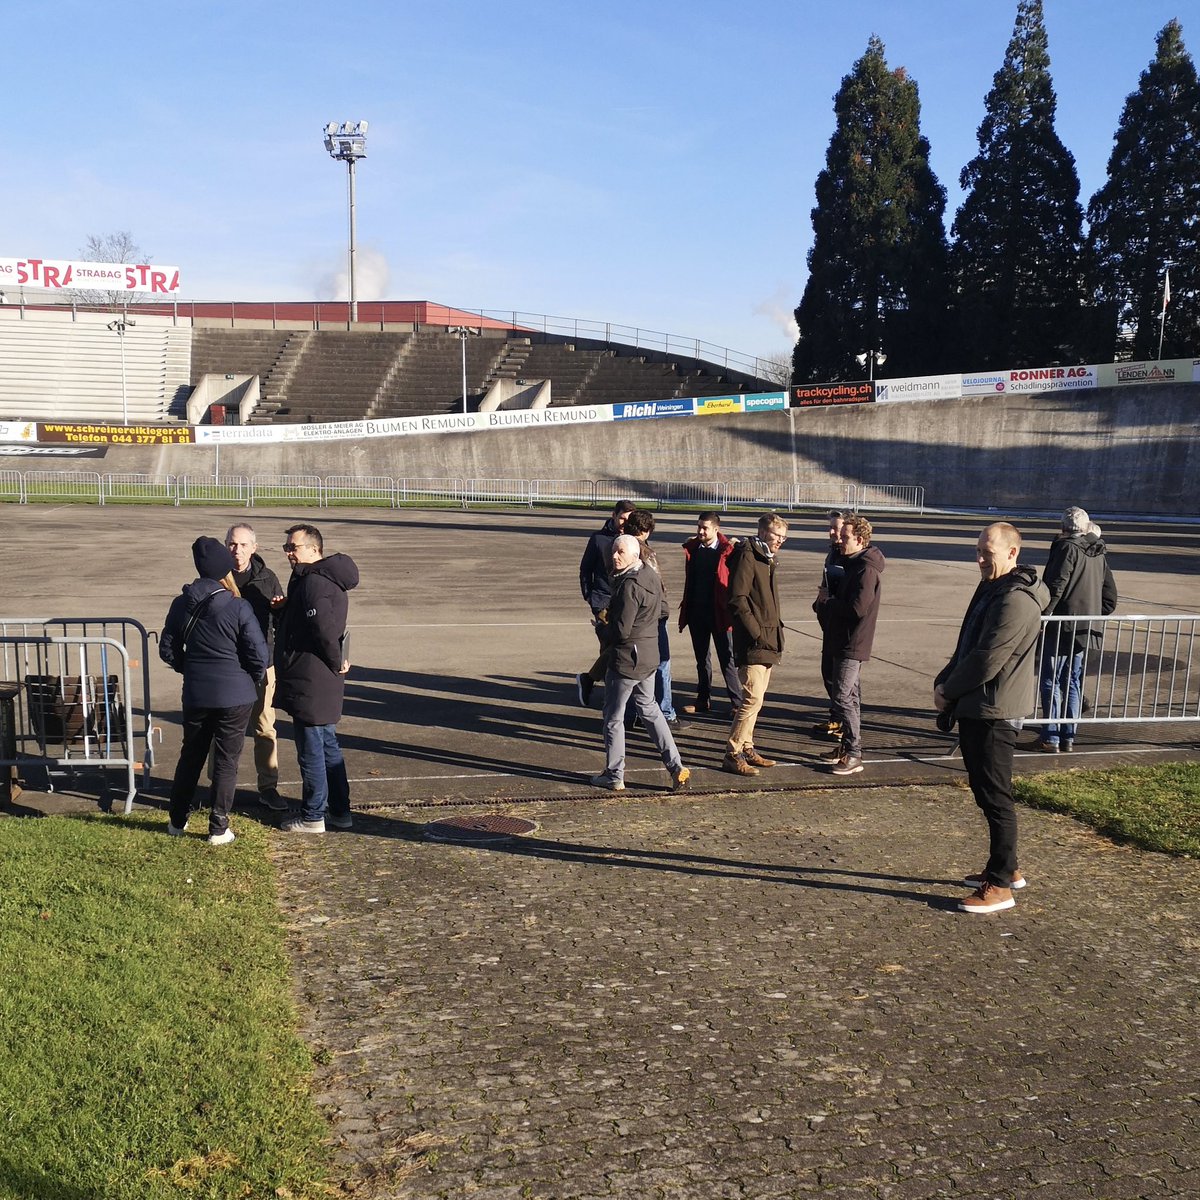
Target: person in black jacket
(1080, 584)
(310, 667)
(212, 638)
(260, 588)
(637, 609)
(595, 571)
(847, 614)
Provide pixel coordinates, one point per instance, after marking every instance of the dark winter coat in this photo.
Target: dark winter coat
(1077, 578)
(308, 643)
(637, 605)
(848, 615)
(595, 567)
(992, 671)
(754, 606)
(259, 586)
(716, 615)
(226, 653)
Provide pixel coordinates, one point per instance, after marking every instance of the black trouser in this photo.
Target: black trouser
(723, 640)
(224, 729)
(987, 750)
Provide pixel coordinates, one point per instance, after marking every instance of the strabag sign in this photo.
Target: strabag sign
(924, 387)
(71, 275)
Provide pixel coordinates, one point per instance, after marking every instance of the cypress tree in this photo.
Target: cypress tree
(1147, 214)
(1017, 236)
(877, 267)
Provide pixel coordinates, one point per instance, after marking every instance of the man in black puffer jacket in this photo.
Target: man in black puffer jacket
(212, 638)
(310, 669)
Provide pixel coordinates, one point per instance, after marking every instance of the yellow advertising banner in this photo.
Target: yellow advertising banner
(114, 435)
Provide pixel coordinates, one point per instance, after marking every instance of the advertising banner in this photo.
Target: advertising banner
(987, 383)
(1051, 379)
(70, 275)
(764, 401)
(710, 406)
(113, 435)
(642, 410)
(1167, 370)
(813, 395)
(924, 387)
(18, 431)
(332, 431)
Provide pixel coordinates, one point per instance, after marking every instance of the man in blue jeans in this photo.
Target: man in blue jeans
(310, 674)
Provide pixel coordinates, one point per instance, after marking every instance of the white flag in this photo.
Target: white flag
(1166, 291)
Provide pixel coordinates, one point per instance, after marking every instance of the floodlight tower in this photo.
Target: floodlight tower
(347, 143)
(875, 357)
(118, 327)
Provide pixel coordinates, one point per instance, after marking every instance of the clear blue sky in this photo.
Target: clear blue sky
(647, 163)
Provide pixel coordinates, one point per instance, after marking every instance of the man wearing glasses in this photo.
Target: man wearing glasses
(757, 637)
(310, 669)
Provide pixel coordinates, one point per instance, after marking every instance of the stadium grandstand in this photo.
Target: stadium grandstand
(294, 362)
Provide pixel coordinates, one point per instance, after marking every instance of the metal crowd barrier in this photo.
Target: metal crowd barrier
(78, 696)
(314, 491)
(1141, 669)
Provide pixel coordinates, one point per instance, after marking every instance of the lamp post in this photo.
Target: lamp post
(347, 143)
(875, 358)
(118, 327)
(462, 332)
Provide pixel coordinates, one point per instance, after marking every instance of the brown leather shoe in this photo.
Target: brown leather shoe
(755, 759)
(735, 764)
(697, 710)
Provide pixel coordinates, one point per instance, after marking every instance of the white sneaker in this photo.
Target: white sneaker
(221, 839)
(173, 832)
(300, 825)
(608, 783)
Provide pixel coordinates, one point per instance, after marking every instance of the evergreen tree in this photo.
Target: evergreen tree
(1017, 250)
(1148, 212)
(877, 267)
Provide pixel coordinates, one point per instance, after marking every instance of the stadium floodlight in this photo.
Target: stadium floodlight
(118, 327)
(462, 332)
(875, 357)
(347, 143)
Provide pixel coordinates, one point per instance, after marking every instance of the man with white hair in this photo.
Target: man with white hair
(637, 605)
(1075, 577)
(259, 585)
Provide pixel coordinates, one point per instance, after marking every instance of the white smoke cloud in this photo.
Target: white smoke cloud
(780, 311)
(372, 278)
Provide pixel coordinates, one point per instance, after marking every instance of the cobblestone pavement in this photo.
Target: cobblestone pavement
(751, 995)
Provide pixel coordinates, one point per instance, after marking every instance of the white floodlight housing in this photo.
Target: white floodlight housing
(861, 359)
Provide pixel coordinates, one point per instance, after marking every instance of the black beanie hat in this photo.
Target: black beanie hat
(213, 560)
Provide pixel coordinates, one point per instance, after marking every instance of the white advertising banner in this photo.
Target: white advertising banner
(985, 383)
(18, 431)
(1051, 379)
(1166, 370)
(332, 431)
(70, 275)
(924, 387)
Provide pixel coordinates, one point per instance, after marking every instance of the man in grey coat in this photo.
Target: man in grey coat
(637, 605)
(988, 686)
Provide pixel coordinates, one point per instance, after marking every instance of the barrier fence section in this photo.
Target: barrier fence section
(1130, 669)
(74, 697)
(322, 492)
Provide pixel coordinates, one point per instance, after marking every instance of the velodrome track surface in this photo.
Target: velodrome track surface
(747, 992)
(468, 628)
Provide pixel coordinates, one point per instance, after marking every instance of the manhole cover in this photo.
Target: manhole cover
(478, 831)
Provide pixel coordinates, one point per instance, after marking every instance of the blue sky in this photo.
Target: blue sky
(649, 164)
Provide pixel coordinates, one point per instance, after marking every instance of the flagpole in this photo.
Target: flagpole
(1162, 317)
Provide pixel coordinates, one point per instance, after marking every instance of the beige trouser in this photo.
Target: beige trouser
(754, 680)
(261, 727)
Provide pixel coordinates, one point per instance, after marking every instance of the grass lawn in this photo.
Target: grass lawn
(1155, 808)
(147, 1028)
